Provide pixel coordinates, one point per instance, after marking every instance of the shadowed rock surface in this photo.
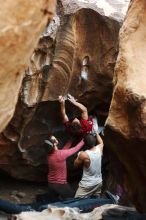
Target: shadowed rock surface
(57, 67)
(76, 54)
(126, 124)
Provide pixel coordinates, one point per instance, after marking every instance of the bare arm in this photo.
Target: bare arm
(83, 109)
(78, 161)
(82, 159)
(63, 112)
(100, 141)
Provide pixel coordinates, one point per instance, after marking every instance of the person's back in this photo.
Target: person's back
(57, 162)
(57, 174)
(57, 167)
(92, 175)
(91, 181)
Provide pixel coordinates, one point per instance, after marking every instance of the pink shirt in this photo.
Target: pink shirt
(57, 162)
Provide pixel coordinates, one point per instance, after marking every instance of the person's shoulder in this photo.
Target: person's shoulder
(67, 122)
(83, 121)
(83, 155)
(100, 147)
(86, 121)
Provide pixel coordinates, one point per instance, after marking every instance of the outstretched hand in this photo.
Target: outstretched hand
(54, 140)
(61, 99)
(71, 98)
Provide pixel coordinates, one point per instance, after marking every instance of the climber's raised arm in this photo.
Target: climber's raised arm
(63, 112)
(83, 109)
(100, 142)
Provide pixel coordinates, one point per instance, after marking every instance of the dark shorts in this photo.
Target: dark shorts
(63, 191)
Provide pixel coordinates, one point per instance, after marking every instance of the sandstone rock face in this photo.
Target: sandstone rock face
(65, 61)
(126, 125)
(21, 23)
(73, 44)
(112, 212)
(114, 9)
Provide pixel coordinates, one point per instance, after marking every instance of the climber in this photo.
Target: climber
(90, 160)
(57, 173)
(76, 126)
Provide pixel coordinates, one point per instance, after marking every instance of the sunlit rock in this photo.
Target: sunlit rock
(21, 23)
(76, 54)
(115, 9)
(112, 212)
(126, 124)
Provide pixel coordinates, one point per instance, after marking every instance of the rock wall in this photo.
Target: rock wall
(126, 124)
(110, 8)
(112, 212)
(77, 55)
(21, 23)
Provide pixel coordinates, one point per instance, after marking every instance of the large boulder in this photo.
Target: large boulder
(21, 23)
(109, 8)
(126, 124)
(76, 54)
(112, 212)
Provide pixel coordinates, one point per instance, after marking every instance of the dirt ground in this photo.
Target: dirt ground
(20, 191)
